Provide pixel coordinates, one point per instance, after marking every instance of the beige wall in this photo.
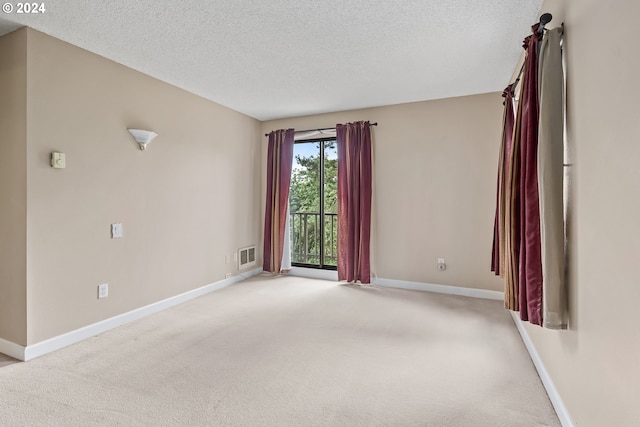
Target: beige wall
(595, 364)
(187, 201)
(13, 187)
(435, 176)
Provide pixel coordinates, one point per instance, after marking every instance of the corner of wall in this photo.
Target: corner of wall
(13, 182)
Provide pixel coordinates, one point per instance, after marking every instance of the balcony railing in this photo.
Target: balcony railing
(306, 243)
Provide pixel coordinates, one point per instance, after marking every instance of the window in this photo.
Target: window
(313, 204)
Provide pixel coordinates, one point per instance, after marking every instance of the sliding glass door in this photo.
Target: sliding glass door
(313, 204)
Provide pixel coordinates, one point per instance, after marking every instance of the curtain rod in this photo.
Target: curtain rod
(544, 20)
(320, 130)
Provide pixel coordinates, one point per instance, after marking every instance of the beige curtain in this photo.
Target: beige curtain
(508, 121)
(512, 220)
(550, 184)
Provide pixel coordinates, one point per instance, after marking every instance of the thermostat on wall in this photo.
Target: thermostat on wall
(57, 160)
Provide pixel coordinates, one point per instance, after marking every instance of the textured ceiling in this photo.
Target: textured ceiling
(285, 58)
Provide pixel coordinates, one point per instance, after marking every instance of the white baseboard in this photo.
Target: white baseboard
(52, 344)
(552, 392)
(314, 273)
(441, 289)
(11, 349)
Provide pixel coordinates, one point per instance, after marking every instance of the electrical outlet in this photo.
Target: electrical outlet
(103, 290)
(226, 276)
(227, 259)
(441, 264)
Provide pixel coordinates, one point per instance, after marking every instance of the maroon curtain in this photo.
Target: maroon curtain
(498, 253)
(279, 163)
(530, 280)
(354, 201)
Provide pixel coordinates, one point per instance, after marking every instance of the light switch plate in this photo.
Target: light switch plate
(116, 231)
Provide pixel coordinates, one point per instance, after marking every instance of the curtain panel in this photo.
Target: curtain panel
(354, 201)
(530, 281)
(550, 181)
(528, 249)
(512, 209)
(279, 164)
(498, 253)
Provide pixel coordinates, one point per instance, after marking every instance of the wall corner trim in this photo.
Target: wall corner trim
(547, 382)
(441, 289)
(73, 337)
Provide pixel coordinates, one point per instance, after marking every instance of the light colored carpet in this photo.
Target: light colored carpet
(7, 360)
(287, 351)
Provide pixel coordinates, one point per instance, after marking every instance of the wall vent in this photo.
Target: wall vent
(246, 257)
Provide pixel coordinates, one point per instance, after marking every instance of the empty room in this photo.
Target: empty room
(338, 213)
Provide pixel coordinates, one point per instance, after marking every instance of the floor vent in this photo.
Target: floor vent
(247, 257)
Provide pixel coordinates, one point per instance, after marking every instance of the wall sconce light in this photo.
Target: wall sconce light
(142, 137)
